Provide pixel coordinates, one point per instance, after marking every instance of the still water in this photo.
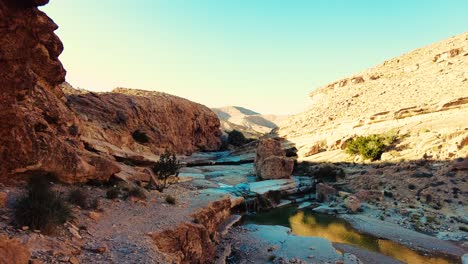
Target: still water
(309, 223)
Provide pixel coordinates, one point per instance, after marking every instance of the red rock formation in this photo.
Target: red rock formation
(13, 252)
(40, 134)
(147, 121)
(194, 242)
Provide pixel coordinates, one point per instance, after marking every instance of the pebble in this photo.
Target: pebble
(74, 260)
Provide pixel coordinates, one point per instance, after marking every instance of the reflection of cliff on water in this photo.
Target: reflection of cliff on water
(307, 223)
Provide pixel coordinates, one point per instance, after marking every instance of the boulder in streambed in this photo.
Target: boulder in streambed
(271, 161)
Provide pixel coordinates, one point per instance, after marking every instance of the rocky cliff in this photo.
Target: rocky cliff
(422, 95)
(43, 132)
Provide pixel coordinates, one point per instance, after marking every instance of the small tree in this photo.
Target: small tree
(236, 138)
(167, 166)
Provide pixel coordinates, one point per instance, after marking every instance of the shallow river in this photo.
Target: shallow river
(308, 223)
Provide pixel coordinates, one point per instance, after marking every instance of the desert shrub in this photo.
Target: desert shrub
(370, 147)
(137, 192)
(167, 166)
(170, 199)
(140, 136)
(42, 208)
(113, 193)
(236, 138)
(78, 197)
(329, 173)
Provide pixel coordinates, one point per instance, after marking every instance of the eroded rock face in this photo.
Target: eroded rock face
(271, 161)
(41, 134)
(37, 129)
(194, 242)
(13, 252)
(144, 121)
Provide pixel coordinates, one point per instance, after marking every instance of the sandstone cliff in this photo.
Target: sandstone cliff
(146, 122)
(40, 134)
(37, 129)
(422, 95)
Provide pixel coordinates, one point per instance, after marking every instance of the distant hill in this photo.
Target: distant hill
(251, 123)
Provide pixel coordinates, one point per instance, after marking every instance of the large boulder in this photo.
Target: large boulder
(271, 161)
(352, 203)
(13, 252)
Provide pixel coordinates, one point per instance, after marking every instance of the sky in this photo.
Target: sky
(265, 55)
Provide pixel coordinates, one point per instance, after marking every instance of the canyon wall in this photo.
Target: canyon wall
(421, 96)
(44, 132)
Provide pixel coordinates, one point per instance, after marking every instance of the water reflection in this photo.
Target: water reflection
(308, 223)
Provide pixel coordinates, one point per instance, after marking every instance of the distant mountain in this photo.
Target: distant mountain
(251, 123)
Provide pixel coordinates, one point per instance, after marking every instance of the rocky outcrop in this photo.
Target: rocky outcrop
(421, 94)
(250, 123)
(271, 161)
(13, 252)
(144, 121)
(194, 242)
(44, 132)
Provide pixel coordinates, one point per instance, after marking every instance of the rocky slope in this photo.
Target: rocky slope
(145, 122)
(76, 137)
(421, 94)
(250, 123)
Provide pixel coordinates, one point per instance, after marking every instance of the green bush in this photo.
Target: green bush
(140, 136)
(170, 199)
(78, 197)
(167, 166)
(113, 193)
(42, 208)
(370, 147)
(236, 138)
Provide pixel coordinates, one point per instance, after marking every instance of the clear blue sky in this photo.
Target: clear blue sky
(266, 55)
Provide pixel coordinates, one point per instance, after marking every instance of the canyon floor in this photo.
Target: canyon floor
(141, 230)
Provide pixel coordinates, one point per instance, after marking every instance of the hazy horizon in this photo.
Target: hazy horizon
(264, 56)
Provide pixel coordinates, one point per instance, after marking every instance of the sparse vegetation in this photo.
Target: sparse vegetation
(371, 146)
(167, 166)
(170, 199)
(326, 172)
(42, 208)
(236, 138)
(113, 193)
(78, 197)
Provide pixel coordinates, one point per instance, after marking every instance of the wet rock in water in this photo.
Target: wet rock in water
(325, 192)
(13, 252)
(271, 161)
(352, 203)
